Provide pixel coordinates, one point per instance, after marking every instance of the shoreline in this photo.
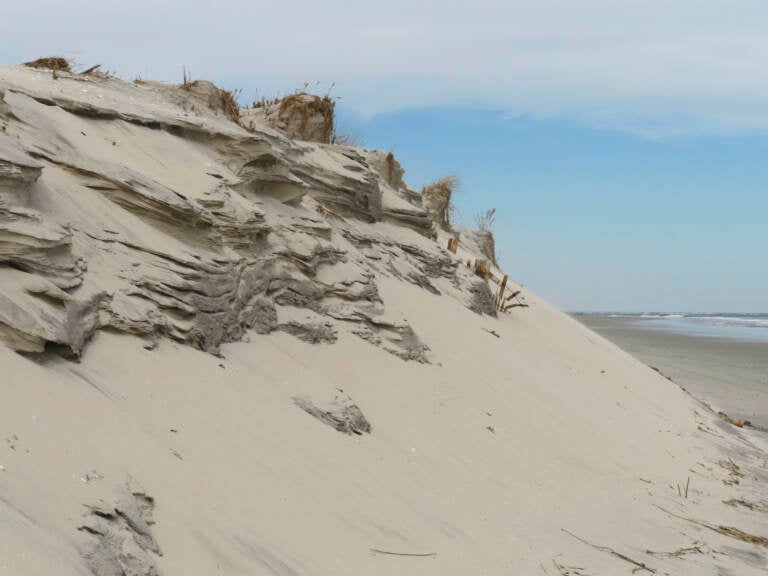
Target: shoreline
(729, 374)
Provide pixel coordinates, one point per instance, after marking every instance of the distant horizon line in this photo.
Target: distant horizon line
(669, 313)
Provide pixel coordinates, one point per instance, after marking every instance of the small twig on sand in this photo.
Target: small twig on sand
(91, 69)
(443, 402)
(566, 570)
(729, 531)
(640, 565)
(422, 555)
(328, 212)
(694, 549)
(688, 482)
(746, 504)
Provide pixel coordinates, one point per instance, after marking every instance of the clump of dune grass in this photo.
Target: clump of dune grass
(487, 244)
(265, 102)
(231, 107)
(484, 222)
(55, 63)
(345, 138)
(187, 81)
(304, 112)
(219, 99)
(437, 198)
(306, 106)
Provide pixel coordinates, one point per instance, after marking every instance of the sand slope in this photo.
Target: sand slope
(730, 374)
(177, 290)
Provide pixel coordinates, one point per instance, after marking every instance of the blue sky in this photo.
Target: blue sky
(602, 220)
(622, 141)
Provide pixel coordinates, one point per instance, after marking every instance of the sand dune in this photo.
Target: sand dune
(175, 288)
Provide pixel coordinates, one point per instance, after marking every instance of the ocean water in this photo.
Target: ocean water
(751, 327)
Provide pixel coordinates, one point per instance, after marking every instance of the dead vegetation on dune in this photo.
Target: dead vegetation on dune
(218, 99)
(231, 107)
(437, 198)
(306, 106)
(484, 222)
(346, 138)
(741, 502)
(303, 116)
(55, 63)
(729, 531)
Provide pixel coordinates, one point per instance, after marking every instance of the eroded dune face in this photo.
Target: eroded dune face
(245, 354)
(128, 208)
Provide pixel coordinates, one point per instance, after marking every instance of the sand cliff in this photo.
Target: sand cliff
(225, 351)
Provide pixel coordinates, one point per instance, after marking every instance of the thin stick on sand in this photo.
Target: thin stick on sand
(421, 555)
(640, 565)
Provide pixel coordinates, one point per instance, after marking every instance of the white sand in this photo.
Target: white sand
(482, 458)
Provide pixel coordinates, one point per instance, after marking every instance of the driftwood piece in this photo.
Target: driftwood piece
(514, 294)
(510, 302)
(502, 288)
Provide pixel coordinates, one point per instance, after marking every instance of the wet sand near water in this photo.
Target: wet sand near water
(731, 375)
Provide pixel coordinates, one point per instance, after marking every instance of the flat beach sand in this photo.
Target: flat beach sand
(729, 374)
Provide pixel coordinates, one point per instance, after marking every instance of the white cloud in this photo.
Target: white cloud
(649, 66)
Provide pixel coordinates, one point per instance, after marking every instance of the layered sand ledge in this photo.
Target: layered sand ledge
(730, 374)
(230, 352)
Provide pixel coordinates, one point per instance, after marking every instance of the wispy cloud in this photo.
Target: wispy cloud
(651, 67)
